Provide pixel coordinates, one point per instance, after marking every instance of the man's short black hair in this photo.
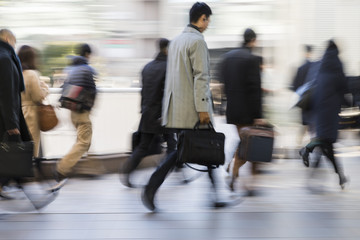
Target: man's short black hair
(163, 43)
(249, 35)
(197, 10)
(308, 48)
(83, 49)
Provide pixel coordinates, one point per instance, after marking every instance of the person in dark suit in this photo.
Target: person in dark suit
(303, 70)
(329, 93)
(153, 81)
(240, 72)
(12, 121)
(306, 72)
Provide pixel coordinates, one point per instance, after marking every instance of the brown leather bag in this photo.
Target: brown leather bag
(256, 143)
(47, 117)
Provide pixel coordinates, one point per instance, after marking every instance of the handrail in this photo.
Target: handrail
(104, 90)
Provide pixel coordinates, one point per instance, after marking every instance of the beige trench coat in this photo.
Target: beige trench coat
(187, 84)
(35, 92)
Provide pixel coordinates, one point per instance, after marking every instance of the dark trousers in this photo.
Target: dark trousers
(164, 168)
(327, 149)
(144, 150)
(170, 139)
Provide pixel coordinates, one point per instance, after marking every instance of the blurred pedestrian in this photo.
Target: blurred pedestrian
(302, 76)
(12, 122)
(187, 97)
(303, 70)
(150, 129)
(35, 92)
(240, 72)
(80, 77)
(329, 93)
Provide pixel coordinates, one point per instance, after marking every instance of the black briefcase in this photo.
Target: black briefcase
(16, 158)
(203, 146)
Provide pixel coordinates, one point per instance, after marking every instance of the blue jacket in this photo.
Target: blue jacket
(79, 73)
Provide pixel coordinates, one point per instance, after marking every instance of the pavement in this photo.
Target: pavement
(289, 204)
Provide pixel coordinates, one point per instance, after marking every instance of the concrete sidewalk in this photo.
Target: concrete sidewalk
(285, 209)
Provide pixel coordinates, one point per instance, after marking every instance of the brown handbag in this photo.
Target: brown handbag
(256, 143)
(47, 117)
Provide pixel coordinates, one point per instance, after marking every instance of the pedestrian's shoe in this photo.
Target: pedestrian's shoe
(304, 153)
(4, 195)
(60, 180)
(251, 193)
(343, 181)
(222, 204)
(147, 198)
(125, 180)
(10, 192)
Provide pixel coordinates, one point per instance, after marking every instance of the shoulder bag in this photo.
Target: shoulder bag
(77, 98)
(47, 117)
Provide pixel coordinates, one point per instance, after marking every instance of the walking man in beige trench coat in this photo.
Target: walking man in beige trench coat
(187, 97)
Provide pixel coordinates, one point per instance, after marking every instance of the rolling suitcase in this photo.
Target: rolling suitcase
(256, 143)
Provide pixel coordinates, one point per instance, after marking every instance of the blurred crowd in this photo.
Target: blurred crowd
(176, 95)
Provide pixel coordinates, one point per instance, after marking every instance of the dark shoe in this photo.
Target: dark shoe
(125, 180)
(305, 156)
(251, 193)
(231, 203)
(60, 181)
(220, 204)
(147, 198)
(343, 181)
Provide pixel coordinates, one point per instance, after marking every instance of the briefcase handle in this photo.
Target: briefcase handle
(210, 126)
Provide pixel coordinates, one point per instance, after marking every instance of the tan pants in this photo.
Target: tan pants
(238, 162)
(84, 133)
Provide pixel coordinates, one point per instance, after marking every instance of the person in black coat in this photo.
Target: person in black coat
(328, 96)
(12, 121)
(240, 72)
(153, 80)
